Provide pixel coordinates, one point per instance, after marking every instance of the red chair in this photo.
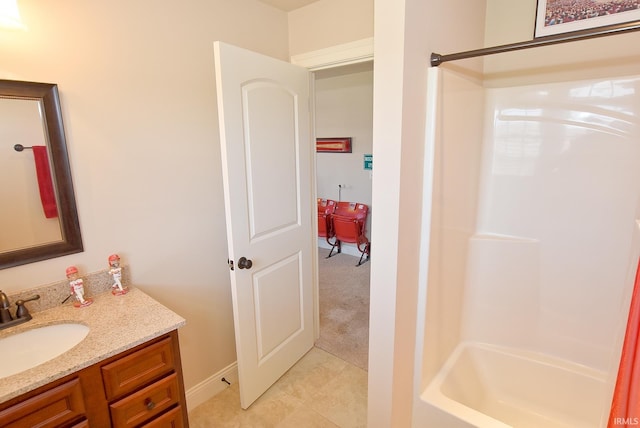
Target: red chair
(348, 224)
(326, 207)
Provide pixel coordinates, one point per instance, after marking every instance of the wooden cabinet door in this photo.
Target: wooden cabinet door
(59, 406)
(171, 419)
(137, 369)
(143, 405)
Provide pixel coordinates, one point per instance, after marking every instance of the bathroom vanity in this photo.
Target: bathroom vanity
(125, 373)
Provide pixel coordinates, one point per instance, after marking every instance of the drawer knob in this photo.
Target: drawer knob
(149, 404)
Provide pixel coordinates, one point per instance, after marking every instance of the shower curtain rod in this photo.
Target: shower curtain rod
(437, 59)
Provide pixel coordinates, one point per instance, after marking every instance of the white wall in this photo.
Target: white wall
(328, 23)
(136, 81)
(406, 32)
(510, 21)
(344, 108)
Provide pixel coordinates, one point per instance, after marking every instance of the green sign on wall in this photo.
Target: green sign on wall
(368, 162)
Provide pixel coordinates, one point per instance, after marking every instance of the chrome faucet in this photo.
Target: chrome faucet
(22, 313)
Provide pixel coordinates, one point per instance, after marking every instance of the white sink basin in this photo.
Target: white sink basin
(22, 351)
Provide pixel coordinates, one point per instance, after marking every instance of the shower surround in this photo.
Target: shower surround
(533, 197)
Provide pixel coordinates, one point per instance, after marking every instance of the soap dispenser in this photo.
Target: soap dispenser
(5, 314)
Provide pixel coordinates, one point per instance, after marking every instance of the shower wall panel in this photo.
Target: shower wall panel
(559, 199)
(453, 206)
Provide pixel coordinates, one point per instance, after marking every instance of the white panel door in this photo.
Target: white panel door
(268, 166)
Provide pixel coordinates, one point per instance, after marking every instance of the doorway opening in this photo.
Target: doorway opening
(344, 108)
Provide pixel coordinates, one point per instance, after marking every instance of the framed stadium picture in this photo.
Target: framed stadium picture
(333, 145)
(565, 16)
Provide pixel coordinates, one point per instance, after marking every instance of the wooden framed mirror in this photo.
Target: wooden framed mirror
(35, 223)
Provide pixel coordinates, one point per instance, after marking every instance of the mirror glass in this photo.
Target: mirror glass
(38, 219)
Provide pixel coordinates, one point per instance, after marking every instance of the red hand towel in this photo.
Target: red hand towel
(625, 407)
(45, 184)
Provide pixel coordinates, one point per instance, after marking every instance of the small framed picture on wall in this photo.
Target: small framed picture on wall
(333, 145)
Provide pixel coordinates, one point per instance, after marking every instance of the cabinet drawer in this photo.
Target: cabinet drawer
(171, 419)
(138, 369)
(145, 404)
(53, 408)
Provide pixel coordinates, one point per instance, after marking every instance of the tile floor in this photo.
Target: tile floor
(321, 390)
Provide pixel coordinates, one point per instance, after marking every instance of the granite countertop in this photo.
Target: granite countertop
(116, 323)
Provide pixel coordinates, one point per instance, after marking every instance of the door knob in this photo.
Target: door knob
(244, 263)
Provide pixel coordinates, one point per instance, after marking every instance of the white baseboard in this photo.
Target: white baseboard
(211, 386)
(347, 248)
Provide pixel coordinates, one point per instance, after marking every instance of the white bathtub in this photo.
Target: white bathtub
(495, 387)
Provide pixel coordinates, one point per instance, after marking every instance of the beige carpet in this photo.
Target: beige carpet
(344, 307)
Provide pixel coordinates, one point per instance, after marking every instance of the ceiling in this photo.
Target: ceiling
(288, 5)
